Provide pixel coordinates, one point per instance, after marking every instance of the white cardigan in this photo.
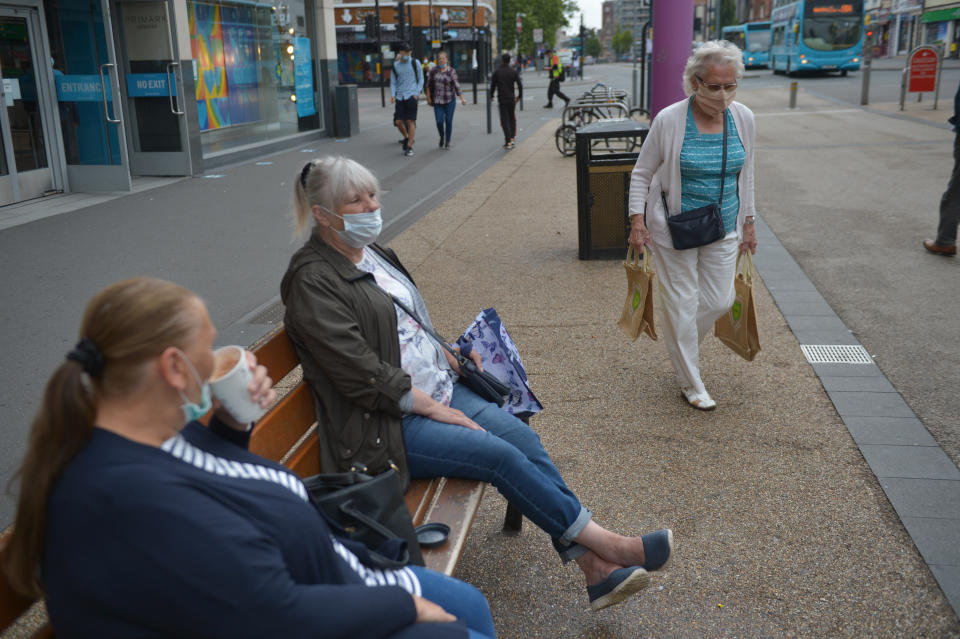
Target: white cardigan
(658, 168)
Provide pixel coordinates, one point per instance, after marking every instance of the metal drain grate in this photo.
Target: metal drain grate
(836, 354)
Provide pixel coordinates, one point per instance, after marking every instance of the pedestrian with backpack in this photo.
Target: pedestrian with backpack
(557, 76)
(406, 83)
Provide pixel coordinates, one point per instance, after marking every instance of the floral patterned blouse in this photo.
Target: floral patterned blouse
(420, 356)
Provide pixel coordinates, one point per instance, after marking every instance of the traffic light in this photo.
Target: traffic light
(400, 18)
(444, 34)
(370, 26)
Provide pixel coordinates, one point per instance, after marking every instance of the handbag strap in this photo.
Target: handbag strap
(429, 331)
(723, 171)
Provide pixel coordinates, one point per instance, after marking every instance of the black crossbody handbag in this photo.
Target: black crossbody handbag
(703, 225)
(481, 382)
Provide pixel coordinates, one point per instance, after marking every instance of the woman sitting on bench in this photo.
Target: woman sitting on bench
(387, 391)
(136, 520)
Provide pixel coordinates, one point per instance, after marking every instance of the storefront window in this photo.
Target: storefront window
(255, 80)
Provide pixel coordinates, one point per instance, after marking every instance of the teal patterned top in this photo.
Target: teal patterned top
(701, 158)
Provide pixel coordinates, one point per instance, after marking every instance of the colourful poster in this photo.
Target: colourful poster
(206, 43)
(240, 59)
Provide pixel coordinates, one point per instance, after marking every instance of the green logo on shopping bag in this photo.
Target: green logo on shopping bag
(736, 310)
(637, 299)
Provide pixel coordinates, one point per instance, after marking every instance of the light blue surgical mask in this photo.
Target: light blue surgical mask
(192, 410)
(359, 229)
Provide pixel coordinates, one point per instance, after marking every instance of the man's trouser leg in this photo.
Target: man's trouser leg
(506, 120)
(950, 202)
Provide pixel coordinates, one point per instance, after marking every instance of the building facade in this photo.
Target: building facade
(101, 91)
(466, 34)
(941, 25)
(608, 29)
(631, 15)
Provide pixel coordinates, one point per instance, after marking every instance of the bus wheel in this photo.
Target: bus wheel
(773, 66)
(843, 73)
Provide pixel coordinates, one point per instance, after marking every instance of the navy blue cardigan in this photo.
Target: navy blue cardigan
(141, 544)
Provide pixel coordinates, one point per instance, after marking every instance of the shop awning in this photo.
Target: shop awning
(942, 15)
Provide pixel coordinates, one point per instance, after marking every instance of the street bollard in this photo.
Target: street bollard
(865, 88)
(793, 94)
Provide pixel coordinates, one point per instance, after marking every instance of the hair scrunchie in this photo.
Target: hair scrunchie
(88, 356)
(304, 172)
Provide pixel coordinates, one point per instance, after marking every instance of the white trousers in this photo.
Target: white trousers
(696, 289)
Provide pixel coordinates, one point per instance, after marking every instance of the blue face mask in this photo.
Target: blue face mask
(359, 229)
(192, 410)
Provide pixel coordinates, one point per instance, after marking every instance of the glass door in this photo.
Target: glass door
(25, 123)
(153, 85)
(88, 94)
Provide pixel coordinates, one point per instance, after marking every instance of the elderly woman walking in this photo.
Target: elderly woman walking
(680, 168)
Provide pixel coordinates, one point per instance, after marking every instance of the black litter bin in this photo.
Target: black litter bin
(346, 111)
(605, 158)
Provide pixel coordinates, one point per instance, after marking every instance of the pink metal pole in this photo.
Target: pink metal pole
(672, 39)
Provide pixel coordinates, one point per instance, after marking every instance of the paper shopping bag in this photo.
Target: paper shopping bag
(738, 327)
(637, 315)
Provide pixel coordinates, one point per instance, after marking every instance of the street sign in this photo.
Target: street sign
(537, 36)
(519, 24)
(923, 64)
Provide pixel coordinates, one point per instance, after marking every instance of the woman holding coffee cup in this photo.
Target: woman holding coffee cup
(136, 520)
(387, 394)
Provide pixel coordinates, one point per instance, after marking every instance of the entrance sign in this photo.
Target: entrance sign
(923, 63)
(922, 74)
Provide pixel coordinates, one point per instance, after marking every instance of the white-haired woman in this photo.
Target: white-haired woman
(681, 163)
(387, 393)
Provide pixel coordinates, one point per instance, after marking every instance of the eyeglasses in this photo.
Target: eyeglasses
(716, 88)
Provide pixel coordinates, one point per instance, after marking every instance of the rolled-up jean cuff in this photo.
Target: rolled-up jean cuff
(574, 530)
(572, 552)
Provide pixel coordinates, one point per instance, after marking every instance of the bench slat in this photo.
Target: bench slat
(458, 505)
(305, 461)
(282, 427)
(275, 351)
(419, 496)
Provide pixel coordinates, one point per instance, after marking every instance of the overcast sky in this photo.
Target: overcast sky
(592, 14)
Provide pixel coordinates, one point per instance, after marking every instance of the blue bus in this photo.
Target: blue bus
(816, 35)
(753, 38)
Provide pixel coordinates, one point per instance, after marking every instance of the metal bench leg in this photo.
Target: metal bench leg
(513, 521)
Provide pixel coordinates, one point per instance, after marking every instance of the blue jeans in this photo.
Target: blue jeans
(460, 599)
(444, 115)
(508, 455)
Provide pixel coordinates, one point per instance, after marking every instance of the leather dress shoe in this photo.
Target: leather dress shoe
(939, 249)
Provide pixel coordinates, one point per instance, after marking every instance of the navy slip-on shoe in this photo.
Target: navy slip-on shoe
(620, 584)
(658, 548)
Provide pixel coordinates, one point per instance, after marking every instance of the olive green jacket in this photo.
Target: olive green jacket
(344, 329)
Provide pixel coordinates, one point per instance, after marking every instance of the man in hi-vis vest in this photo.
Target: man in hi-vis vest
(556, 77)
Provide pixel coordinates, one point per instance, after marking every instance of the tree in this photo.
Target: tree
(548, 15)
(593, 45)
(622, 41)
(728, 14)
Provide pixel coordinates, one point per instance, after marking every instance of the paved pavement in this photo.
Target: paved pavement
(793, 504)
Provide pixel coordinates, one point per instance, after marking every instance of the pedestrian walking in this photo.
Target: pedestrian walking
(382, 382)
(501, 86)
(557, 75)
(443, 89)
(946, 240)
(130, 508)
(406, 83)
(680, 168)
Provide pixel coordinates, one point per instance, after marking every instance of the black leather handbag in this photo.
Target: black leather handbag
(371, 510)
(701, 226)
(480, 382)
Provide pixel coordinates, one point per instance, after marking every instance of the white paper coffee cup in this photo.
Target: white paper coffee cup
(230, 384)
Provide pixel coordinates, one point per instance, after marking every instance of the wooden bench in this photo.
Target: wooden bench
(288, 434)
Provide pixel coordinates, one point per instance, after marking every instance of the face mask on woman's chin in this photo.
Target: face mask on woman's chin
(715, 104)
